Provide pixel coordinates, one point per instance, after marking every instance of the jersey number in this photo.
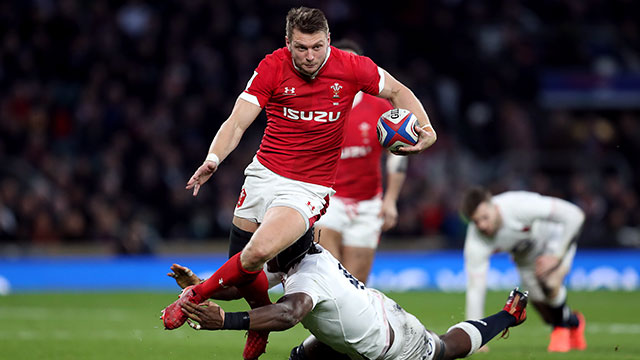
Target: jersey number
(355, 282)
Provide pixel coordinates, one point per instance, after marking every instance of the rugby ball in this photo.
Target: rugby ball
(396, 128)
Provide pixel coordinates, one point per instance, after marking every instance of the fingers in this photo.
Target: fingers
(208, 303)
(196, 188)
(190, 307)
(179, 270)
(194, 325)
(191, 315)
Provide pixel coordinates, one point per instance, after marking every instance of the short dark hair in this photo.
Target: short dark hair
(348, 44)
(306, 20)
(472, 199)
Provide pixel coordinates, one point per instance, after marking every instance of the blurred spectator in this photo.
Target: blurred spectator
(107, 106)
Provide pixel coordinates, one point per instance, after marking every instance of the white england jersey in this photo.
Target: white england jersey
(532, 225)
(346, 315)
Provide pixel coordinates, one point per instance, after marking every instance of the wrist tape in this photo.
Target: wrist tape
(236, 321)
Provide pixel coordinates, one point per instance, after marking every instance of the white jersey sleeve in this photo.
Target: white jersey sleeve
(304, 283)
(572, 217)
(533, 207)
(477, 253)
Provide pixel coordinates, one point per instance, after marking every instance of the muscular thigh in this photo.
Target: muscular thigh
(281, 227)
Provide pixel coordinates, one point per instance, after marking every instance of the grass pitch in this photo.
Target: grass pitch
(127, 326)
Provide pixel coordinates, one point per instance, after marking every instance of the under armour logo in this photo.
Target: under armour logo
(289, 91)
(221, 283)
(311, 206)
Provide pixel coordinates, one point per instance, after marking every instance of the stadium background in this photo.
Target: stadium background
(107, 107)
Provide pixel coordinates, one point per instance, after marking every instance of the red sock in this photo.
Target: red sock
(230, 273)
(256, 292)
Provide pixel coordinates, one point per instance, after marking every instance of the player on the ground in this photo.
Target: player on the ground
(346, 319)
(540, 233)
(307, 89)
(358, 212)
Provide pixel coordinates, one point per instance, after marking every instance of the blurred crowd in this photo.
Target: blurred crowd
(107, 108)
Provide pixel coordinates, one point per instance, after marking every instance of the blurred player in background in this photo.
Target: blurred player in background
(346, 319)
(540, 233)
(358, 213)
(307, 89)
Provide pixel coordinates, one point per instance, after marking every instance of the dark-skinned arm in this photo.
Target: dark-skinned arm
(283, 315)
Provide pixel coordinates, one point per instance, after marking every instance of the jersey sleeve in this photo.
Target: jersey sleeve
(260, 86)
(572, 218)
(369, 76)
(476, 262)
(304, 283)
(533, 207)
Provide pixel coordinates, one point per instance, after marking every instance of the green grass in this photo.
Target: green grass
(126, 326)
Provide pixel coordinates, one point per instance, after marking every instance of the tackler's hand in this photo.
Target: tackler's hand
(183, 276)
(209, 315)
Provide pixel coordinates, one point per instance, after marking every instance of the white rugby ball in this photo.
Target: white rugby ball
(396, 128)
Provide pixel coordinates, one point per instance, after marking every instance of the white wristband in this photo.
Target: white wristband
(213, 157)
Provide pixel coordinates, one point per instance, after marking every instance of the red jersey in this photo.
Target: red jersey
(359, 174)
(306, 115)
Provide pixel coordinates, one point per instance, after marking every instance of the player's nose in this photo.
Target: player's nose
(309, 55)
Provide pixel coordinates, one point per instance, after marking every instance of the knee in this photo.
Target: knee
(255, 255)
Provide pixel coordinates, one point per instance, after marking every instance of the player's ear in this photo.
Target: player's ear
(286, 41)
(328, 39)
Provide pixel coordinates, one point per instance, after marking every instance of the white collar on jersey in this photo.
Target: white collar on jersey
(357, 99)
(313, 76)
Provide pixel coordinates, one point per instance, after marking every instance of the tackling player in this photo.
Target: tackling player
(540, 233)
(307, 89)
(358, 213)
(346, 319)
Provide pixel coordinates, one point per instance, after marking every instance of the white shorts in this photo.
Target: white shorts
(412, 340)
(264, 189)
(359, 222)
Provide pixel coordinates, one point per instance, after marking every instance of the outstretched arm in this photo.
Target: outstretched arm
(403, 98)
(283, 315)
(225, 141)
(396, 173)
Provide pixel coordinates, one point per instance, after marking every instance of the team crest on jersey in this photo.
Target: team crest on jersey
(289, 90)
(364, 131)
(336, 90)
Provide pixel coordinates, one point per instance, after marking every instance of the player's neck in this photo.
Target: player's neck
(498, 217)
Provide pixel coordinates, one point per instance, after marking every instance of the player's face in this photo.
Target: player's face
(486, 218)
(308, 50)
